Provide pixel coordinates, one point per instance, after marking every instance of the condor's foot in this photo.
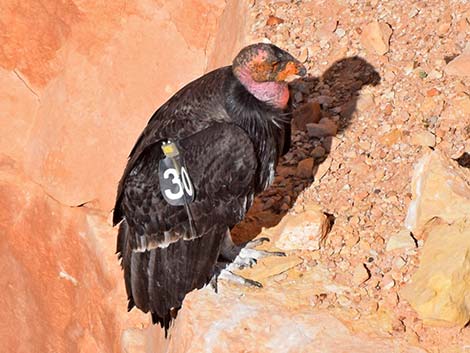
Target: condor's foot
(228, 275)
(241, 256)
(255, 242)
(249, 257)
(232, 277)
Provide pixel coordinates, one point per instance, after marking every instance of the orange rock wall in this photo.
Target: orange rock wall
(78, 82)
(56, 291)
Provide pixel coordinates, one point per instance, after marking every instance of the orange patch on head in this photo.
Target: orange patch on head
(260, 71)
(290, 69)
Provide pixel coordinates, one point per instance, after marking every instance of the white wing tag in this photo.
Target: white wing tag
(175, 183)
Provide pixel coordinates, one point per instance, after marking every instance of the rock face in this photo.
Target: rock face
(286, 315)
(285, 323)
(441, 188)
(77, 92)
(60, 282)
(440, 214)
(78, 82)
(77, 89)
(439, 290)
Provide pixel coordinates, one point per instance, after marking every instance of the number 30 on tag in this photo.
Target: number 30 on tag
(175, 184)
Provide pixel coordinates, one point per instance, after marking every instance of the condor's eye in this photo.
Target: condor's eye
(275, 66)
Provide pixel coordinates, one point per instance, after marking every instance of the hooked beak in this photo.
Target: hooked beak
(301, 70)
(292, 69)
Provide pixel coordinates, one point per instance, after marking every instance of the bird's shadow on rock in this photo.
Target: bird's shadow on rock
(337, 92)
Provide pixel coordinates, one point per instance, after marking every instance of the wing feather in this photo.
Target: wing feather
(194, 108)
(221, 162)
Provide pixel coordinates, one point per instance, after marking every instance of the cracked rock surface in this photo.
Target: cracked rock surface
(370, 203)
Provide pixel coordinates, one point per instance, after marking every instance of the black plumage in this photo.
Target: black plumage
(230, 142)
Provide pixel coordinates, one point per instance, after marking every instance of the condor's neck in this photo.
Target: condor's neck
(273, 93)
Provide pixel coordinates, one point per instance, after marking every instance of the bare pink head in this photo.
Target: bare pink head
(263, 70)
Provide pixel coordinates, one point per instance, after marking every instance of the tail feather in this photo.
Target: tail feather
(159, 279)
(140, 279)
(125, 255)
(177, 270)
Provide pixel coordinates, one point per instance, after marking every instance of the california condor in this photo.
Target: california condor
(192, 176)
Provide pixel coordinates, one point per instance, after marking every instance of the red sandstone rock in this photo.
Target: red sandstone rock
(274, 21)
(241, 320)
(433, 92)
(423, 138)
(305, 168)
(56, 46)
(440, 190)
(305, 230)
(78, 82)
(437, 291)
(87, 80)
(61, 284)
(375, 37)
(231, 35)
(326, 127)
(308, 113)
(460, 66)
(17, 113)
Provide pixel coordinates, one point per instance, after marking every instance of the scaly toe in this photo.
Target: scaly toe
(232, 277)
(259, 254)
(255, 242)
(243, 262)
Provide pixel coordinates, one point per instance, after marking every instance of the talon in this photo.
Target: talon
(251, 262)
(255, 242)
(253, 283)
(213, 283)
(278, 253)
(263, 239)
(232, 277)
(259, 254)
(244, 262)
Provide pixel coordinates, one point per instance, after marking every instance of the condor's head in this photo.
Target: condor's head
(264, 69)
